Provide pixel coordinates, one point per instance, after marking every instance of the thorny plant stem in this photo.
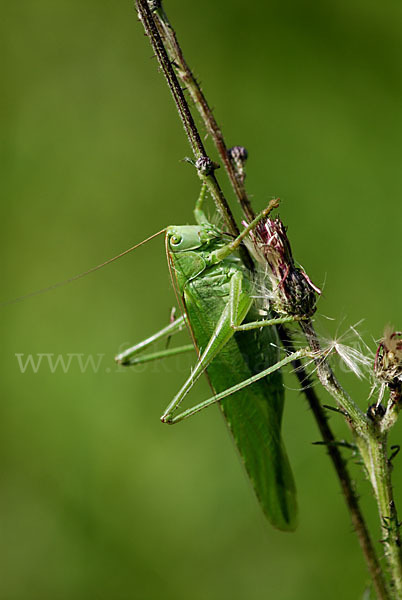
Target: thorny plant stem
(341, 469)
(378, 466)
(172, 61)
(372, 443)
(205, 166)
(186, 76)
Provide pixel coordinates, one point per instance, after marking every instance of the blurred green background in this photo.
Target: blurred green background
(97, 498)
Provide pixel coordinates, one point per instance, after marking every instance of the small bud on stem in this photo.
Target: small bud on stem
(205, 166)
(238, 156)
(388, 362)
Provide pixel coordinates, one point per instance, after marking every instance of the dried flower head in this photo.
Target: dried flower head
(293, 293)
(388, 359)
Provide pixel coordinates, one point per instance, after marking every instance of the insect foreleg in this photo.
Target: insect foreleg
(224, 251)
(199, 214)
(124, 358)
(158, 355)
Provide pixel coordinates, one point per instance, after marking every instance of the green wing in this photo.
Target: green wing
(254, 414)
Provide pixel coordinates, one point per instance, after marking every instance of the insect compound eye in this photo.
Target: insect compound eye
(175, 239)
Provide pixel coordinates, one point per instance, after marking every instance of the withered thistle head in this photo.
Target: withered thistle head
(388, 359)
(293, 293)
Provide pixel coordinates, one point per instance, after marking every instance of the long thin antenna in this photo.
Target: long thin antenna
(80, 275)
